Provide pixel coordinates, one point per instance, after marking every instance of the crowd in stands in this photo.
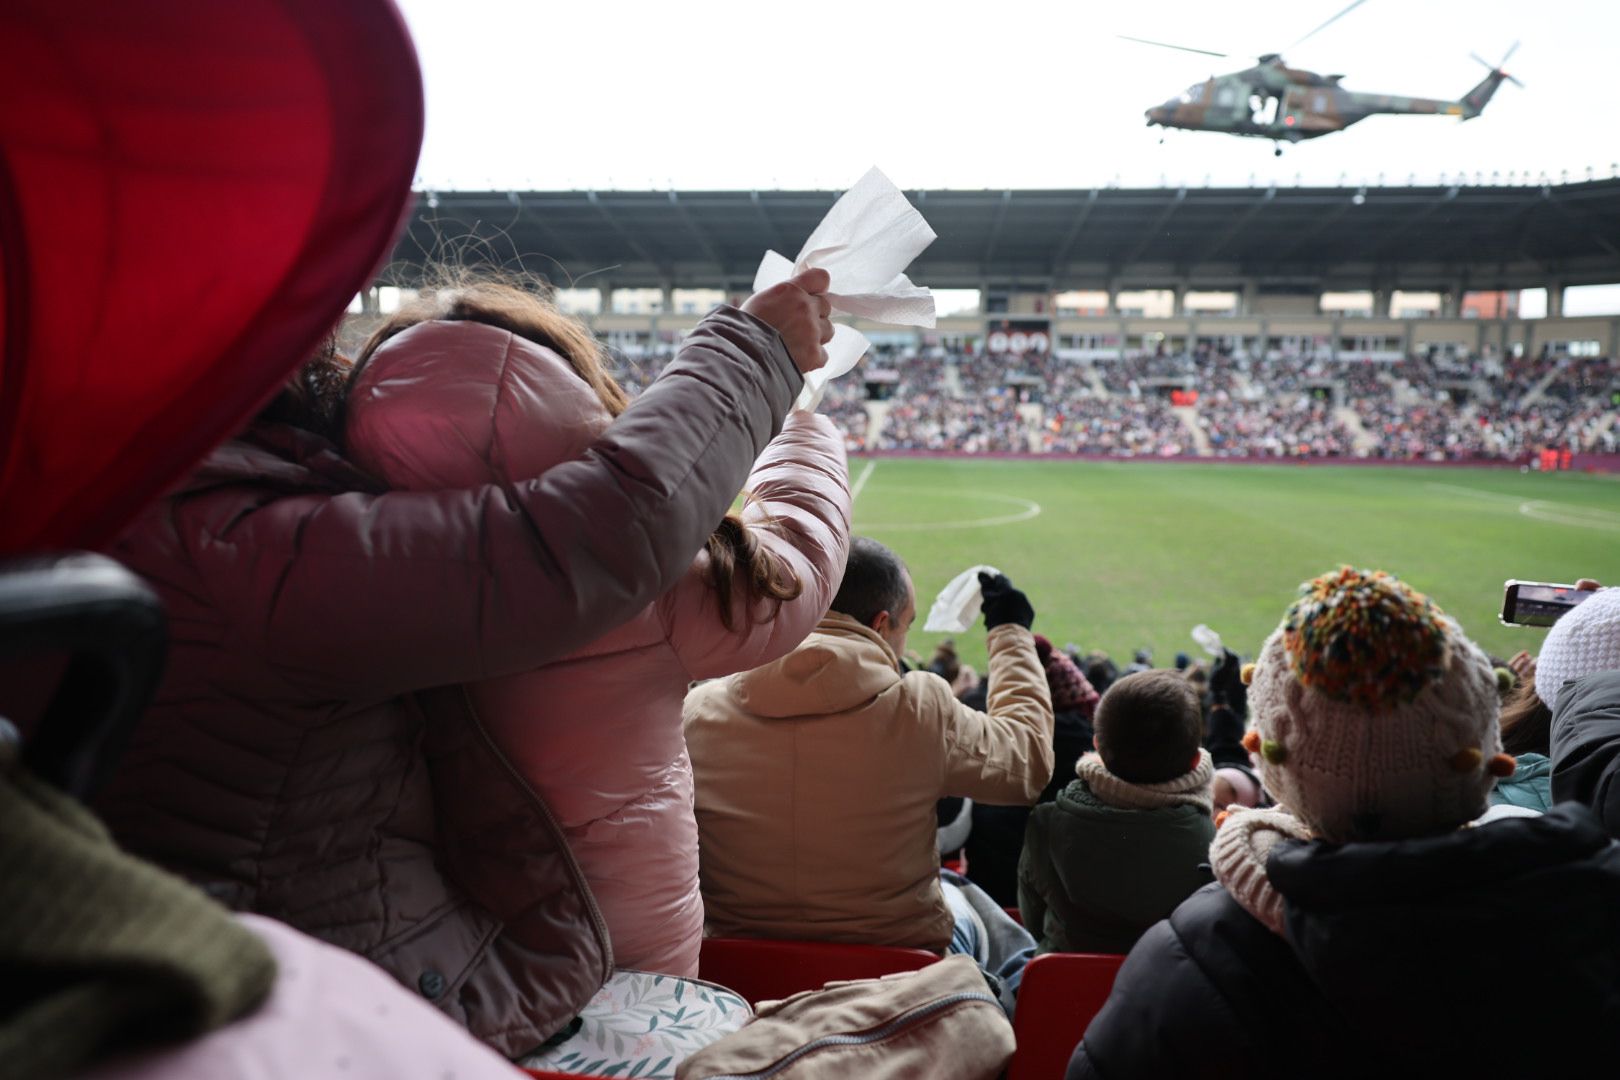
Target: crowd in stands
(1285, 405)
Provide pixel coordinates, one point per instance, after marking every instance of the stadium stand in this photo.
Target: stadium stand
(1469, 408)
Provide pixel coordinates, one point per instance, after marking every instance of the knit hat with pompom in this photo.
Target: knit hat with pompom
(1374, 717)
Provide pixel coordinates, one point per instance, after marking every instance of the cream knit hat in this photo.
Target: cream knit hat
(1586, 640)
(1374, 717)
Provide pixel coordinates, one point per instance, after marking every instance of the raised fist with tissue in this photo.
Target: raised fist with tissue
(1004, 604)
(798, 309)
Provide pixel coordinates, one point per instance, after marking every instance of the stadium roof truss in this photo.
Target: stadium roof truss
(1381, 237)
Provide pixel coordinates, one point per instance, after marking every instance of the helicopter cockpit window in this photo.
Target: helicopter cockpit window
(1262, 107)
(1223, 96)
(1193, 94)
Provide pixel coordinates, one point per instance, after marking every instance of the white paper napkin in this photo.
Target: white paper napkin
(957, 606)
(864, 243)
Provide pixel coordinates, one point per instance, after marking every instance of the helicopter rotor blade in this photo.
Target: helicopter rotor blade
(1355, 4)
(1509, 54)
(1167, 45)
(1498, 67)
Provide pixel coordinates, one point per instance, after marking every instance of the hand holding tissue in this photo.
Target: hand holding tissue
(798, 310)
(865, 242)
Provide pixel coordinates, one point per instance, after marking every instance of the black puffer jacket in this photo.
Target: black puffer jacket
(1494, 948)
(1586, 746)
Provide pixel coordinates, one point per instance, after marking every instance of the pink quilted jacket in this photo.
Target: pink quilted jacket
(598, 734)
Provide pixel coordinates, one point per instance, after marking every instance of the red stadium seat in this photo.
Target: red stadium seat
(762, 970)
(1060, 994)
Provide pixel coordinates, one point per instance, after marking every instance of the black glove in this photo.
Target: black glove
(1004, 604)
(1226, 684)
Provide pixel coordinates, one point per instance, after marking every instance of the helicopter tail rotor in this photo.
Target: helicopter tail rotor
(1474, 102)
(1498, 68)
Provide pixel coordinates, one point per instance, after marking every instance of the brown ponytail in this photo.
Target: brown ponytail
(733, 547)
(1526, 721)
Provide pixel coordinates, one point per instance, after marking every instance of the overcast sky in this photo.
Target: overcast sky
(637, 94)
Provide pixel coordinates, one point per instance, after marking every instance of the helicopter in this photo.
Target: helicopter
(1274, 101)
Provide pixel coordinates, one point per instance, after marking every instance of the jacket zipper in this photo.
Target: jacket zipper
(575, 873)
(899, 1023)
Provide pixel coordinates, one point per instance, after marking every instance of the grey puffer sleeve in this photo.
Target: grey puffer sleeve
(362, 594)
(1586, 746)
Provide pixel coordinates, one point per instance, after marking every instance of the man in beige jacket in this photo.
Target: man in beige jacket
(817, 774)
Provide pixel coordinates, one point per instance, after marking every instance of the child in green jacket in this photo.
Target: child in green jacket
(1129, 839)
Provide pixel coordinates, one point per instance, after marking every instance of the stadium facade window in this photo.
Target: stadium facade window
(956, 302)
(578, 301)
(1210, 303)
(696, 301)
(1532, 303)
(1081, 302)
(1352, 304)
(1370, 347)
(637, 301)
(1147, 303)
(1414, 305)
(1592, 300)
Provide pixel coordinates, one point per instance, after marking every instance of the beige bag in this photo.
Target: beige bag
(940, 1022)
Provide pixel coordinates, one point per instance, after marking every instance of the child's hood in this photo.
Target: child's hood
(457, 404)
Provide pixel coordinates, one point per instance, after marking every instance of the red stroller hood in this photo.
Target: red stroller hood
(191, 192)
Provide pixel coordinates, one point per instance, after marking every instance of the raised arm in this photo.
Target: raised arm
(1003, 755)
(799, 510)
(439, 587)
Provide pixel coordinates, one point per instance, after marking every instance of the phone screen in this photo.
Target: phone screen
(1537, 604)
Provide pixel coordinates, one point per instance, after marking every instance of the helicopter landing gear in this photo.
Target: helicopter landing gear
(1276, 149)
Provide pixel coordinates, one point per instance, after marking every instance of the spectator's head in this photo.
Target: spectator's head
(945, 662)
(1149, 727)
(877, 592)
(1100, 671)
(313, 399)
(1526, 721)
(1070, 690)
(1183, 661)
(1583, 642)
(1374, 717)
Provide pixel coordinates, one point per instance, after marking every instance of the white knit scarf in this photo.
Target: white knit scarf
(1191, 787)
(1238, 857)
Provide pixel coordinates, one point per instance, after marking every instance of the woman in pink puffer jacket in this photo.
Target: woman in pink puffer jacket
(597, 735)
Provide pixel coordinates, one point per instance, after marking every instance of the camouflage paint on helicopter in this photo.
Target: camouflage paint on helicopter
(1274, 101)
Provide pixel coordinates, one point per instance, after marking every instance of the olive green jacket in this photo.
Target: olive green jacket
(1093, 877)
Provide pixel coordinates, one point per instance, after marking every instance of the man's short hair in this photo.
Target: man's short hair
(1149, 726)
(874, 581)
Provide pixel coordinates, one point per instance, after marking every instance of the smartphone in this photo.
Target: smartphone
(1538, 603)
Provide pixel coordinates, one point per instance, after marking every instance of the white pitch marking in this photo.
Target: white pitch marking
(1556, 513)
(1030, 509)
(1458, 489)
(1585, 517)
(860, 482)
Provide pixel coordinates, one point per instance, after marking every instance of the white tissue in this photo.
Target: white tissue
(864, 243)
(957, 606)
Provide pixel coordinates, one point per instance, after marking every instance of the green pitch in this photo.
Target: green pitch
(1124, 555)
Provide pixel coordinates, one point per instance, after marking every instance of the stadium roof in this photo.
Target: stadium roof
(1386, 237)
